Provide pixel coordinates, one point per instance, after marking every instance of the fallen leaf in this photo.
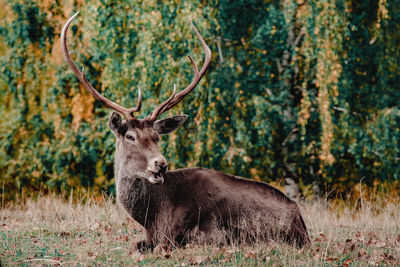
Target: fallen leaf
(398, 239)
(361, 253)
(390, 259)
(347, 262)
(359, 236)
(107, 228)
(331, 259)
(64, 234)
(371, 235)
(250, 255)
(197, 260)
(339, 245)
(123, 238)
(323, 236)
(91, 254)
(349, 246)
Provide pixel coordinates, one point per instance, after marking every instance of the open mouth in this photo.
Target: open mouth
(154, 177)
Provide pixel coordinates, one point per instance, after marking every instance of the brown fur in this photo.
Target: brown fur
(197, 202)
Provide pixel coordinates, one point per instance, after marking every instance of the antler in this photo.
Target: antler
(126, 112)
(175, 99)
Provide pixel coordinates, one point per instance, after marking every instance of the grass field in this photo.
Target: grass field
(53, 231)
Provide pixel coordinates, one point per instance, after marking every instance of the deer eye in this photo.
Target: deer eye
(130, 137)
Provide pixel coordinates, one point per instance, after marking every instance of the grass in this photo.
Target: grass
(53, 231)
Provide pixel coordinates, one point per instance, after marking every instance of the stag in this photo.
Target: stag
(174, 207)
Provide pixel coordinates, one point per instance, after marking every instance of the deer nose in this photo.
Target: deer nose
(160, 165)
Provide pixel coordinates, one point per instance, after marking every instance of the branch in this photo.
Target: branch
(278, 63)
(299, 36)
(289, 135)
(221, 57)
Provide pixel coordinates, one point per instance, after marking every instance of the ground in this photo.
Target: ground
(55, 231)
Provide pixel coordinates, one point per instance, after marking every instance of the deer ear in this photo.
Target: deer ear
(166, 126)
(115, 122)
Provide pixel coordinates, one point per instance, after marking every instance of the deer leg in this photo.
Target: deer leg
(143, 246)
(162, 248)
(171, 236)
(164, 242)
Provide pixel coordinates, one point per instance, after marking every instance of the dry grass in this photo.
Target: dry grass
(52, 231)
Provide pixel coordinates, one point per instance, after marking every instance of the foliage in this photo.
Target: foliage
(307, 89)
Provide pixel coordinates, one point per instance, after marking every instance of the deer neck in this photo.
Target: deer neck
(123, 172)
(125, 180)
(138, 196)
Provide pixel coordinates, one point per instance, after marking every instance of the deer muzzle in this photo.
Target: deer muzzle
(155, 177)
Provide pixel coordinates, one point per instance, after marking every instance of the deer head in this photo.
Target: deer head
(137, 153)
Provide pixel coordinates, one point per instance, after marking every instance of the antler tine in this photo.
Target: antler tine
(127, 113)
(197, 75)
(153, 116)
(138, 104)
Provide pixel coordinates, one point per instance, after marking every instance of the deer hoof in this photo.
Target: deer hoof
(141, 247)
(162, 249)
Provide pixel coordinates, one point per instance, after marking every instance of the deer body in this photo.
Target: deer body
(197, 201)
(178, 206)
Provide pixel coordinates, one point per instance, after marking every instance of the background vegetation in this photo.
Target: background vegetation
(308, 89)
